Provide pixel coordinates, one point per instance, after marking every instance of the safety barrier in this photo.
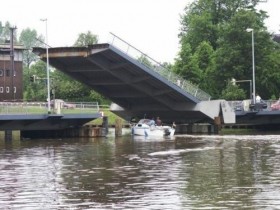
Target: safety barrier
(42, 108)
(152, 64)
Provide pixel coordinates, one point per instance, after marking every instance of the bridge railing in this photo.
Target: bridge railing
(159, 68)
(27, 108)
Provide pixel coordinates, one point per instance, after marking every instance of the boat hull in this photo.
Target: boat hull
(153, 131)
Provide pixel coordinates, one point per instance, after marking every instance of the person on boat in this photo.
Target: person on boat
(158, 122)
(173, 125)
(152, 122)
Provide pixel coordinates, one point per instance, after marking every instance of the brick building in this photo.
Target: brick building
(11, 73)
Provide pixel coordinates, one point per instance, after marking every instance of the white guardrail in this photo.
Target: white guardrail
(41, 108)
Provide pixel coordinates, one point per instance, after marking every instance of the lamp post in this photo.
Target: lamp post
(48, 70)
(253, 63)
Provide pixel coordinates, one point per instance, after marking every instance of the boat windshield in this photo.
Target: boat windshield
(145, 121)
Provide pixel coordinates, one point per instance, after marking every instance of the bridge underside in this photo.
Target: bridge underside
(128, 83)
(193, 115)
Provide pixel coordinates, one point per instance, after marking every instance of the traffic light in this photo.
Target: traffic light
(32, 78)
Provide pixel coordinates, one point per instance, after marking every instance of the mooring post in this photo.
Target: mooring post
(105, 128)
(217, 125)
(118, 127)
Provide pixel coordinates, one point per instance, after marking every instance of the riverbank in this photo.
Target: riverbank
(112, 118)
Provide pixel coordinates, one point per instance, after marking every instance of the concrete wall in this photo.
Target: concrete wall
(213, 108)
(196, 129)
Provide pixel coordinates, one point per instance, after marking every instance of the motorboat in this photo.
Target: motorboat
(147, 127)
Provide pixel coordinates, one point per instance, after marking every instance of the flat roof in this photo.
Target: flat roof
(8, 46)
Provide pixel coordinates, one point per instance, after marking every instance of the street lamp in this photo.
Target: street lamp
(253, 64)
(48, 70)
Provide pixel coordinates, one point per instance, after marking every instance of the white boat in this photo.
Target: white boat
(147, 127)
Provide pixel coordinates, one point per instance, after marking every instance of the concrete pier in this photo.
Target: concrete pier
(196, 129)
(9, 135)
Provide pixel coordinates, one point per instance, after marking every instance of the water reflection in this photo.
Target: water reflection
(186, 172)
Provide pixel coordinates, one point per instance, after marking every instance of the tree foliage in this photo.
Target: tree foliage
(233, 92)
(85, 39)
(145, 60)
(62, 86)
(35, 90)
(5, 32)
(215, 46)
(29, 38)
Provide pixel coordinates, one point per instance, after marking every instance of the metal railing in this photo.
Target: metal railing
(159, 68)
(27, 108)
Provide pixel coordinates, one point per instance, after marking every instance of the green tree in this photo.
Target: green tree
(233, 92)
(183, 62)
(85, 39)
(99, 98)
(215, 46)
(203, 19)
(29, 38)
(234, 55)
(198, 28)
(37, 90)
(68, 89)
(62, 86)
(268, 79)
(145, 60)
(5, 32)
(205, 67)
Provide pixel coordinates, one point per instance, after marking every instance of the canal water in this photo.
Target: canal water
(184, 172)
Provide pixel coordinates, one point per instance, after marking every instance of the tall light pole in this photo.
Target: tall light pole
(48, 70)
(253, 63)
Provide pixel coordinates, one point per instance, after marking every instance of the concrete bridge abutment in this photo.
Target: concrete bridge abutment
(197, 128)
(9, 135)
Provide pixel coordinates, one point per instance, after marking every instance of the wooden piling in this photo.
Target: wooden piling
(118, 127)
(105, 126)
(217, 124)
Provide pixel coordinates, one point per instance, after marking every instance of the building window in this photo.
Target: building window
(8, 72)
(1, 73)
(15, 89)
(7, 89)
(1, 89)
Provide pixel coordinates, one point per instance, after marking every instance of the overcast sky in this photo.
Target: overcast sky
(150, 25)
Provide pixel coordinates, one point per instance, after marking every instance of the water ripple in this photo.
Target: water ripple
(189, 172)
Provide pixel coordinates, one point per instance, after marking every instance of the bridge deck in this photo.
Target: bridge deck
(126, 81)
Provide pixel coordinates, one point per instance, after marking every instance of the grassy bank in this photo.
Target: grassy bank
(224, 131)
(111, 119)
